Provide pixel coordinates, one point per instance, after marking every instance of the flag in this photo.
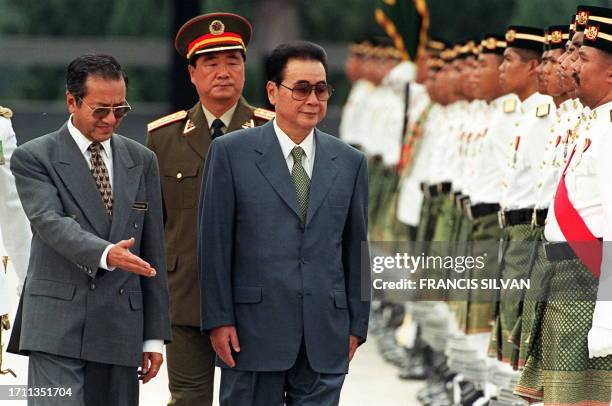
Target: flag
(406, 22)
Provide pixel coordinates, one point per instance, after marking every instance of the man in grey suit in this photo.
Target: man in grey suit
(95, 303)
(283, 218)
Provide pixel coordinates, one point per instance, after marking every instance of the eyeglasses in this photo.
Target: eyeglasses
(100, 112)
(301, 91)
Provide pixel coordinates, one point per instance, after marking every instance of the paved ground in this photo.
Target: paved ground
(371, 382)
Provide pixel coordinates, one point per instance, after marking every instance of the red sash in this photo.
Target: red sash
(584, 244)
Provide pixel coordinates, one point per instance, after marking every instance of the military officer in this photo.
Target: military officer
(570, 361)
(215, 48)
(14, 225)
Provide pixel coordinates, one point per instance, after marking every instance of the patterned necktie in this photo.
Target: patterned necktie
(216, 127)
(100, 174)
(300, 180)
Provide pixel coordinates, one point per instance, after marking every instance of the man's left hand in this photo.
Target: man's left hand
(353, 344)
(151, 362)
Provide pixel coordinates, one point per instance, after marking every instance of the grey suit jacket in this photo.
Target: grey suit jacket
(71, 307)
(277, 280)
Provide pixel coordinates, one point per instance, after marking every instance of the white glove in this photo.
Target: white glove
(600, 335)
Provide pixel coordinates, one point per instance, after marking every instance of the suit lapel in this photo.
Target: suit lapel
(242, 114)
(74, 171)
(199, 138)
(323, 174)
(126, 181)
(273, 166)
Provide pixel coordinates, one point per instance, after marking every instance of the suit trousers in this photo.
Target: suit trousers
(298, 386)
(90, 383)
(191, 367)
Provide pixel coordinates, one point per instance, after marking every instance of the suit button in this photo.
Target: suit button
(300, 295)
(92, 286)
(135, 225)
(121, 291)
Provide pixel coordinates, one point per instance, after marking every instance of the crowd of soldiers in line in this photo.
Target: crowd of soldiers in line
(503, 139)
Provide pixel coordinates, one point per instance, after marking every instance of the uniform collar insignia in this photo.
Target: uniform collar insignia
(189, 126)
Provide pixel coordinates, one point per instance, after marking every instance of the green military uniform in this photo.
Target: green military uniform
(181, 143)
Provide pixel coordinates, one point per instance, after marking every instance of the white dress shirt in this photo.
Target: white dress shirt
(83, 144)
(287, 145)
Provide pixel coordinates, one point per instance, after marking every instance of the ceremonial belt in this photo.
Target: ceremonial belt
(538, 218)
(479, 210)
(585, 245)
(560, 251)
(509, 218)
(435, 189)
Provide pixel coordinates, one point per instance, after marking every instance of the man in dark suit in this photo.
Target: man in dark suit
(95, 304)
(283, 219)
(215, 46)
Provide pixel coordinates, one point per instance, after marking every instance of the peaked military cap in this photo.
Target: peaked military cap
(518, 36)
(558, 35)
(598, 35)
(493, 44)
(213, 32)
(586, 13)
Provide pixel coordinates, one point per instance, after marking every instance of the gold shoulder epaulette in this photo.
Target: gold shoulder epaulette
(169, 119)
(509, 106)
(543, 110)
(6, 112)
(264, 114)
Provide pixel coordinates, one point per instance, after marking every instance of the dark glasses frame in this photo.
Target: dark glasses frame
(100, 112)
(301, 91)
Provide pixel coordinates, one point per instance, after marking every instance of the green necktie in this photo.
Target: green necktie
(300, 180)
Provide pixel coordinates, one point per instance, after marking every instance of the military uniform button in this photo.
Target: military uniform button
(135, 225)
(121, 291)
(179, 176)
(92, 286)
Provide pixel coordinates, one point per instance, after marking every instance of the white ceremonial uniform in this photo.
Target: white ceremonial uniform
(525, 153)
(14, 225)
(555, 153)
(600, 335)
(410, 198)
(588, 187)
(492, 150)
(352, 127)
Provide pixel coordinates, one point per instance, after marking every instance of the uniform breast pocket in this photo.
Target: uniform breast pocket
(181, 186)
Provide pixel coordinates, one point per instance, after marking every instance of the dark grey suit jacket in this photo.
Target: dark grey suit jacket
(71, 307)
(278, 281)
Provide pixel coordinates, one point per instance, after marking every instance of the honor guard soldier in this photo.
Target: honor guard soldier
(14, 225)
(215, 48)
(570, 358)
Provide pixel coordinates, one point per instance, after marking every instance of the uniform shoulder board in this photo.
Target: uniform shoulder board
(543, 110)
(164, 121)
(509, 106)
(264, 114)
(5, 112)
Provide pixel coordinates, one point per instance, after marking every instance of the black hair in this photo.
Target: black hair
(282, 54)
(104, 66)
(528, 54)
